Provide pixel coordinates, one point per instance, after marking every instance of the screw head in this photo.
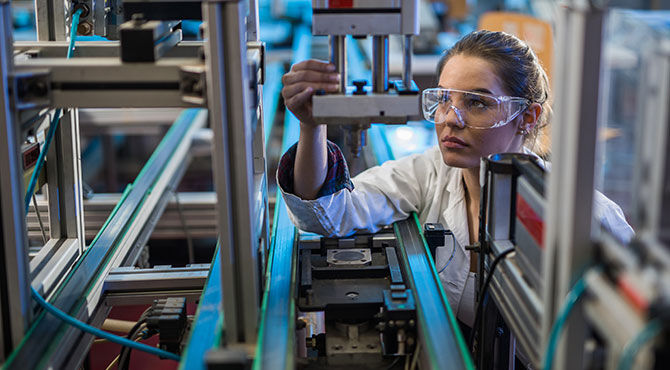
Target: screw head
(85, 28)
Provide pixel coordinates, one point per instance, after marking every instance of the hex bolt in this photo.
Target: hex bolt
(85, 28)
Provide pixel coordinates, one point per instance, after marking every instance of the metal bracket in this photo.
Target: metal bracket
(260, 46)
(193, 85)
(31, 88)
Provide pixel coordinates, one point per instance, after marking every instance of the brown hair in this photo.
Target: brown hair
(520, 71)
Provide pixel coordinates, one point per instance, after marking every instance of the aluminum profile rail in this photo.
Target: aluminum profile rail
(47, 333)
(208, 323)
(442, 343)
(276, 339)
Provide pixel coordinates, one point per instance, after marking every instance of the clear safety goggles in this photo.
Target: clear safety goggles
(471, 109)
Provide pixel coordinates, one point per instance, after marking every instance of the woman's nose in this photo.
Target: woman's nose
(453, 117)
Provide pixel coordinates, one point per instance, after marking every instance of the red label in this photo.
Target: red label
(341, 4)
(634, 297)
(530, 220)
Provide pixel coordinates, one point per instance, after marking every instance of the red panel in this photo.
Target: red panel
(530, 220)
(341, 4)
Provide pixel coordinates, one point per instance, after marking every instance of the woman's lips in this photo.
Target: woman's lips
(452, 142)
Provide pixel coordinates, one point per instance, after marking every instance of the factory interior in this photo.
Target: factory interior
(476, 184)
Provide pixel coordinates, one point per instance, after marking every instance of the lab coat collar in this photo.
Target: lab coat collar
(455, 215)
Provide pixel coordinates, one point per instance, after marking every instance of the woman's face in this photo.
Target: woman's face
(463, 146)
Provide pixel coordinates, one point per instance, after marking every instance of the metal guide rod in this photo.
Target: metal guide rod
(338, 56)
(15, 313)
(225, 51)
(380, 63)
(407, 61)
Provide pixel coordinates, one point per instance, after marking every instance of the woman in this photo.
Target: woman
(492, 97)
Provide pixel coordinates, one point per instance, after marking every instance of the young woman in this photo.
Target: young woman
(492, 96)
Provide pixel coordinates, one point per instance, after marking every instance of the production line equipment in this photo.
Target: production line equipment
(559, 289)
(217, 82)
(383, 101)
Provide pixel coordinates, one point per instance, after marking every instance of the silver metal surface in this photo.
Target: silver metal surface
(15, 309)
(141, 298)
(53, 263)
(338, 57)
(130, 279)
(109, 83)
(227, 67)
(407, 61)
(349, 256)
(198, 209)
(365, 109)
(50, 20)
(570, 200)
(94, 49)
(380, 64)
(356, 24)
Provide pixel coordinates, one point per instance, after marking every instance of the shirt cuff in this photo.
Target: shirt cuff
(337, 176)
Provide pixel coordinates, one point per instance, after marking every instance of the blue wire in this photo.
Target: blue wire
(571, 300)
(29, 193)
(54, 122)
(100, 333)
(73, 32)
(652, 329)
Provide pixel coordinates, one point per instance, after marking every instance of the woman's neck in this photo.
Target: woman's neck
(472, 186)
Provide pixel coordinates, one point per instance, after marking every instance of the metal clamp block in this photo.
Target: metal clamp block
(193, 85)
(31, 88)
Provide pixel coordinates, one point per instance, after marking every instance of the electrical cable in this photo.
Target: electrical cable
(573, 296)
(453, 251)
(124, 355)
(54, 121)
(29, 193)
(650, 331)
(100, 333)
(487, 282)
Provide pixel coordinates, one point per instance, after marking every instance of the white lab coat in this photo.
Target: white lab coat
(419, 183)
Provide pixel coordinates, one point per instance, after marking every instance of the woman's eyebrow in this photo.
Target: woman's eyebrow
(477, 90)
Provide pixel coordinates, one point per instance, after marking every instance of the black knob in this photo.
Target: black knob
(360, 87)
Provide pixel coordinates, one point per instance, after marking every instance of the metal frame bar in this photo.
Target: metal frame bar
(15, 312)
(569, 216)
(108, 250)
(225, 50)
(438, 331)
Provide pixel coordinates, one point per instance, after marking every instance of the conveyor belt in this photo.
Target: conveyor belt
(440, 336)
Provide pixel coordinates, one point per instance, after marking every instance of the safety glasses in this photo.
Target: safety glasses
(471, 109)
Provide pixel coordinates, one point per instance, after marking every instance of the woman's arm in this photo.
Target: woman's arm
(311, 162)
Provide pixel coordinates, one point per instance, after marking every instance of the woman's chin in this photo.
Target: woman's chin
(460, 161)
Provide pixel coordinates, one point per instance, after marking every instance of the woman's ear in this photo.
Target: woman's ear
(530, 117)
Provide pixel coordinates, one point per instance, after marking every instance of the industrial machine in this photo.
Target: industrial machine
(557, 289)
(46, 84)
(385, 101)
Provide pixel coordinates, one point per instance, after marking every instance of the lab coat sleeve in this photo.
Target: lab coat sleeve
(379, 196)
(611, 217)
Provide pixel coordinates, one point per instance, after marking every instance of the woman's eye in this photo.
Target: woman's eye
(476, 103)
